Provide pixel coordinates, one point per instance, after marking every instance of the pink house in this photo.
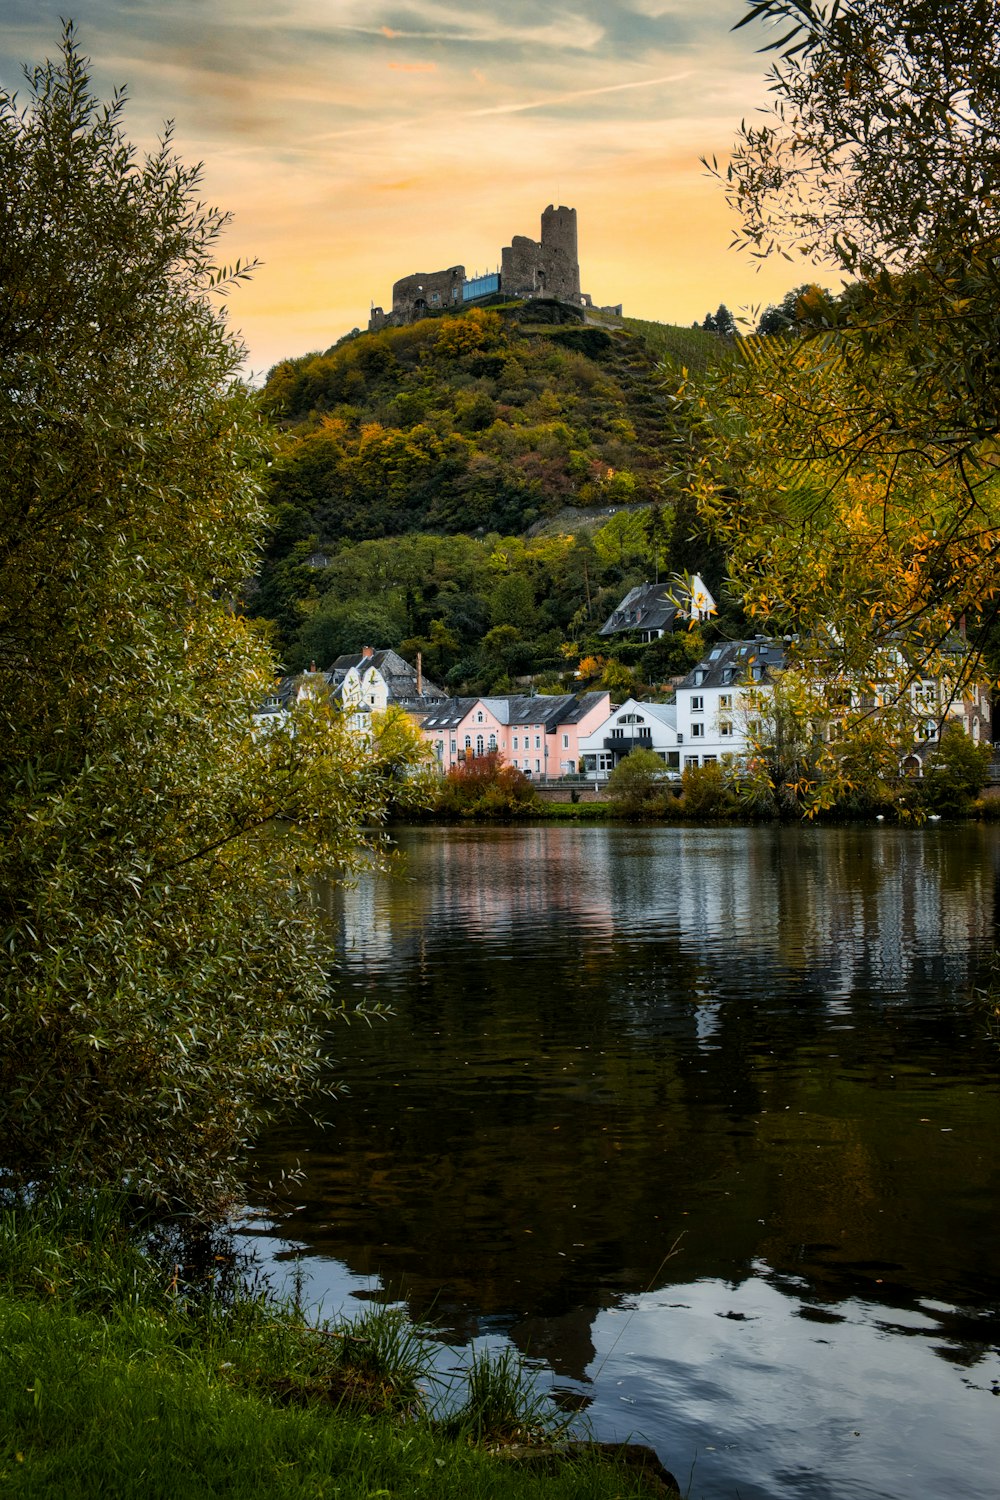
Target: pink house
(538, 734)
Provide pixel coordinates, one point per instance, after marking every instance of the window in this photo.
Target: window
(725, 729)
(697, 731)
(725, 700)
(697, 704)
(479, 744)
(709, 760)
(565, 741)
(515, 746)
(479, 717)
(538, 765)
(538, 746)
(699, 678)
(468, 742)
(454, 747)
(493, 743)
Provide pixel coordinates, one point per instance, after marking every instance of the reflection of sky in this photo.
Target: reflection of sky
(697, 1370)
(758, 1394)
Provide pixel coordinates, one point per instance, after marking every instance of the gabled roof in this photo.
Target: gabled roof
(449, 713)
(733, 662)
(516, 708)
(400, 677)
(656, 606)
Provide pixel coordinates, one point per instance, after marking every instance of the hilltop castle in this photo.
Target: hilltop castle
(548, 267)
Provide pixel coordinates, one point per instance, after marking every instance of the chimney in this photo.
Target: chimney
(367, 651)
(420, 674)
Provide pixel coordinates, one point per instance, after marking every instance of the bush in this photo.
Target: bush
(954, 773)
(636, 784)
(484, 786)
(707, 792)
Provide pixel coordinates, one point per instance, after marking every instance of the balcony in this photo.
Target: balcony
(624, 744)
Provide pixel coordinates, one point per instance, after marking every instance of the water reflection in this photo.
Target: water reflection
(757, 1040)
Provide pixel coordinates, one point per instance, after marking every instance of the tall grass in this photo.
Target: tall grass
(132, 1366)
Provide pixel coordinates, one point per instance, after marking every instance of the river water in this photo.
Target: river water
(705, 1121)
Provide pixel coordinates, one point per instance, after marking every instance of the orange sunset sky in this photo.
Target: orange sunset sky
(355, 141)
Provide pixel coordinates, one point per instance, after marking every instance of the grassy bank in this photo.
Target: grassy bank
(125, 1374)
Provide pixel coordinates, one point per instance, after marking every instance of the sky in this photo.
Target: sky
(357, 141)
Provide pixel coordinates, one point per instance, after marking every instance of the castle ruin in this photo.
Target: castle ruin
(548, 267)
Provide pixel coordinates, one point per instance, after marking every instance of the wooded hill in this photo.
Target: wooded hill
(542, 447)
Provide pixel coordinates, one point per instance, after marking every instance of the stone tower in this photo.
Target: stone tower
(559, 257)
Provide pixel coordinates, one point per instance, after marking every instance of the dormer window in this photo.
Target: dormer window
(699, 678)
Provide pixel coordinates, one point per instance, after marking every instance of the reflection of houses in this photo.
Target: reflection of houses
(634, 726)
(540, 735)
(650, 610)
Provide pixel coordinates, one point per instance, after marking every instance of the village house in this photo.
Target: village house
(367, 682)
(715, 701)
(650, 610)
(538, 734)
(636, 725)
(722, 700)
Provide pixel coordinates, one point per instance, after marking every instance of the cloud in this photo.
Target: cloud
(555, 99)
(415, 67)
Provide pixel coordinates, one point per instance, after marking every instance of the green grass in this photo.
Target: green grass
(125, 1375)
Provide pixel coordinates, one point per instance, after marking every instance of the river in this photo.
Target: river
(704, 1121)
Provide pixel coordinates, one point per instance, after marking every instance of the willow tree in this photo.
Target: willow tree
(851, 467)
(164, 979)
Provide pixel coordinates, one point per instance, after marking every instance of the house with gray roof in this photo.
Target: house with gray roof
(536, 733)
(650, 610)
(718, 698)
(636, 725)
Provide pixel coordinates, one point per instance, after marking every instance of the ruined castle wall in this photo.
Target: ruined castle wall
(519, 268)
(549, 267)
(426, 291)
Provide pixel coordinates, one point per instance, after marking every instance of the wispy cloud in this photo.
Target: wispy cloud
(554, 100)
(350, 139)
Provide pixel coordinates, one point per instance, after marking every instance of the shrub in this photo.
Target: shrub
(485, 786)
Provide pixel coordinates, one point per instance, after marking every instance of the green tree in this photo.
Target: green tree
(164, 979)
(636, 783)
(854, 477)
(955, 772)
(882, 159)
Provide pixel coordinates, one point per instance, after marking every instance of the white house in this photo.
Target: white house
(650, 610)
(634, 726)
(715, 700)
(720, 700)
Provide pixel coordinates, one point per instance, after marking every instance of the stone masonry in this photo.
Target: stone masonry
(548, 267)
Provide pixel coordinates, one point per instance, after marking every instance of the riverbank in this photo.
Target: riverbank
(127, 1376)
